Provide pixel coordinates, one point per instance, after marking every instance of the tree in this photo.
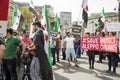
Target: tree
(27, 15)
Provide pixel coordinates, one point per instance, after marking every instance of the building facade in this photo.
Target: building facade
(65, 18)
(93, 19)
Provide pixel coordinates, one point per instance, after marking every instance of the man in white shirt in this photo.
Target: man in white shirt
(70, 51)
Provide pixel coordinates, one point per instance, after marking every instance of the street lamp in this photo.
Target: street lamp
(119, 21)
(119, 10)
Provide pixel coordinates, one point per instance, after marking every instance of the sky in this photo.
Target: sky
(74, 6)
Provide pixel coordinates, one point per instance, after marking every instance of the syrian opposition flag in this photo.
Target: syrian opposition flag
(23, 26)
(101, 20)
(17, 19)
(34, 13)
(47, 34)
(57, 26)
(85, 12)
(102, 16)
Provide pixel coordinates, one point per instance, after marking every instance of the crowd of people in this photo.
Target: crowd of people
(13, 49)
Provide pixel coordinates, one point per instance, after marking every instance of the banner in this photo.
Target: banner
(106, 44)
(4, 4)
(90, 43)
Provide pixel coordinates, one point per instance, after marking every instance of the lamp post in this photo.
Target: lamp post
(92, 22)
(119, 21)
(119, 11)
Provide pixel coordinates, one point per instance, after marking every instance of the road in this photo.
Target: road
(62, 72)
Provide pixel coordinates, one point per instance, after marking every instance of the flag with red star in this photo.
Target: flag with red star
(85, 12)
(57, 26)
(47, 34)
(32, 9)
(17, 19)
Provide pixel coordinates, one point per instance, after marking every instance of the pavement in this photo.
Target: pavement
(62, 72)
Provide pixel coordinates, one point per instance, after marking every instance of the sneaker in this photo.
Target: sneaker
(113, 73)
(99, 61)
(108, 71)
(53, 63)
(76, 65)
(92, 67)
(68, 65)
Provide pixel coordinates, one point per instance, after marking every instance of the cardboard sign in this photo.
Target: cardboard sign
(108, 44)
(90, 43)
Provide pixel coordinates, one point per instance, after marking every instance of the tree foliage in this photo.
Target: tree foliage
(27, 15)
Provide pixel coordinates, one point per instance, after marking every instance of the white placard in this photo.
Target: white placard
(3, 28)
(112, 27)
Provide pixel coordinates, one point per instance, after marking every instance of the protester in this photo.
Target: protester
(91, 55)
(69, 44)
(9, 57)
(101, 53)
(113, 59)
(78, 50)
(38, 47)
(28, 43)
(63, 49)
(58, 41)
(53, 44)
(2, 50)
(19, 52)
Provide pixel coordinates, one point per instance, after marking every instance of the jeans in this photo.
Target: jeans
(57, 51)
(9, 67)
(53, 55)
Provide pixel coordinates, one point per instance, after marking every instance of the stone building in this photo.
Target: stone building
(93, 19)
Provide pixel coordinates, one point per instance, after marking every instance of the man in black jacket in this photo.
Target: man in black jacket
(38, 47)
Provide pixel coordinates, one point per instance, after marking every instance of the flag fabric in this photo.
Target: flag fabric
(101, 20)
(85, 12)
(17, 19)
(47, 34)
(23, 26)
(32, 33)
(57, 26)
(32, 9)
(102, 16)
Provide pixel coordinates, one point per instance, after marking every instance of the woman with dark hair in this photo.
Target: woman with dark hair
(91, 55)
(113, 59)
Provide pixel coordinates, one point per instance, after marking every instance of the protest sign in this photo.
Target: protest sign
(90, 43)
(108, 44)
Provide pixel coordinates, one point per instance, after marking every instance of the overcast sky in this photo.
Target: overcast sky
(74, 6)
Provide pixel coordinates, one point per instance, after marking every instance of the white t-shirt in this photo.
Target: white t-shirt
(69, 42)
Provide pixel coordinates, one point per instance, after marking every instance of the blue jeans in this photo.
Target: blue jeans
(9, 67)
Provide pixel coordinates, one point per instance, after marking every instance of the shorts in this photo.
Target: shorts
(70, 52)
